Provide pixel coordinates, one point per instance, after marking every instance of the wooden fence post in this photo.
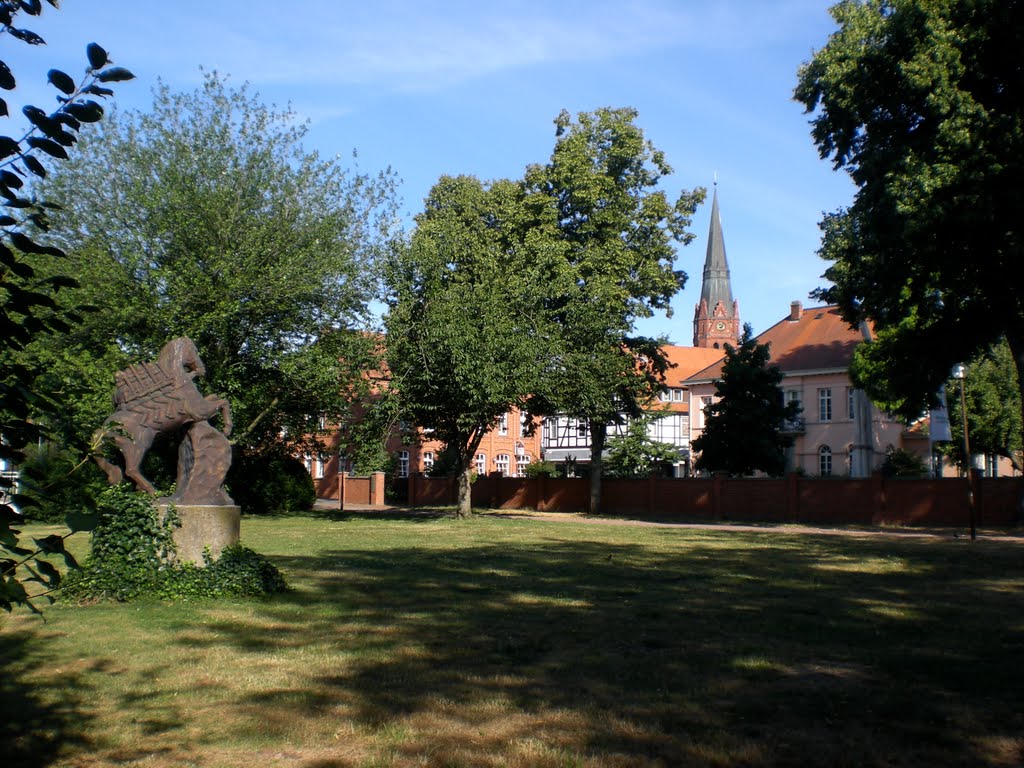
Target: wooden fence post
(341, 491)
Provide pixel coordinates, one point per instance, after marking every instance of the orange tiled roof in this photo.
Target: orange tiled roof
(687, 361)
(818, 340)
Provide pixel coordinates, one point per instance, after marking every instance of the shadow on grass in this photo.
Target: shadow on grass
(36, 724)
(787, 652)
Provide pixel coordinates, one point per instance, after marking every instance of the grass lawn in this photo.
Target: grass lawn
(495, 641)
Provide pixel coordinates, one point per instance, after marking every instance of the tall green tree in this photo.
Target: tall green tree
(992, 394)
(635, 454)
(467, 335)
(743, 429)
(618, 230)
(29, 305)
(921, 102)
(206, 217)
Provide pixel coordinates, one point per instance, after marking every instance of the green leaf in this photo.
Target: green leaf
(86, 111)
(8, 147)
(35, 166)
(114, 75)
(48, 146)
(7, 81)
(61, 81)
(96, 55)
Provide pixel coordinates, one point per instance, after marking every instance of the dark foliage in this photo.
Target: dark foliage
(270, 484)
(28, 307)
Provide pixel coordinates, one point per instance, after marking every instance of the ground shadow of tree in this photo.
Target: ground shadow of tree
(657, 658)
(34, 727)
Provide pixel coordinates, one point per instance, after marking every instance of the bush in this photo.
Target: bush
(538, 468)
(903, 463)
(267, 484)
(54, 483)
(133, 556)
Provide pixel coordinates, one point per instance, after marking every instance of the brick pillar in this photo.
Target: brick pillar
(651, 482)
(377, 489)
(411, 500)
(541, 486)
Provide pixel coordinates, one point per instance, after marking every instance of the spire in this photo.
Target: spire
(716, 286)
(716, 318)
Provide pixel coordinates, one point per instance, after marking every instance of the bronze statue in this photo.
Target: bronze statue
(161, 397)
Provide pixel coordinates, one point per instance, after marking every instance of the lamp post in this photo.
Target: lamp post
(960, 373)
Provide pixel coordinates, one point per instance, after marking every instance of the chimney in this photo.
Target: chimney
(796, 310)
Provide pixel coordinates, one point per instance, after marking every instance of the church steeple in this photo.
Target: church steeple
(716, 318)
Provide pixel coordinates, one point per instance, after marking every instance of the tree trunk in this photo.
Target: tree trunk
(465, 488)
(597, 440)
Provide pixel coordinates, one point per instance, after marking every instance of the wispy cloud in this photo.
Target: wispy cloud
(403, 45)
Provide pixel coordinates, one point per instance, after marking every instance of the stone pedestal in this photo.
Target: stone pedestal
(205, 526)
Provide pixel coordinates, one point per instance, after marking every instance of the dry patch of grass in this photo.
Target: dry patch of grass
(497, 641)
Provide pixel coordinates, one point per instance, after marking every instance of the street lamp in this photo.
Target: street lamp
(960, 373)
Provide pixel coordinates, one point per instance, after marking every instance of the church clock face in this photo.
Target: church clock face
(719, 326)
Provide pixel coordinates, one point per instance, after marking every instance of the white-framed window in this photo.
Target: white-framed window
(403, 463)
(503, 424)
(851, 407)
(705, 403)
(307, 460)
(825, 404)
(501, 464)
(318, 467)
(677, 395)
(522, 461)
(665, 396)
(792, 396)
(428, 461)
(824, 461)
(481, 463)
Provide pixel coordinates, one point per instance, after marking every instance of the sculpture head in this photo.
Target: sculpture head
(180, 354)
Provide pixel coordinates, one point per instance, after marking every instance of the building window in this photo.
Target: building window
(501, 463)
(403, 463)
(318, 468)
(503, 424)
(522, 461)
(824, 461)
(792, 396)
(825, 405)
(851, 406)
(677, 395)
(481, 464)
(428, 461)
(705, 403)
(665, 396)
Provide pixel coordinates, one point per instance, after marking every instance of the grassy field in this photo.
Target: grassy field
(495, 641)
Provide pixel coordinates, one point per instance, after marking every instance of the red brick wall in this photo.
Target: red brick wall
(795, 499)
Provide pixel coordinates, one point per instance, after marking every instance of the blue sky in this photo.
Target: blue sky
(432, 88)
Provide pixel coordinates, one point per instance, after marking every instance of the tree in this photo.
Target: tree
(467, 336)
(743, 429)
(635, 454)
(617, 230)
(205, 217)
(28, 296)
(922, 103)
(992, 394)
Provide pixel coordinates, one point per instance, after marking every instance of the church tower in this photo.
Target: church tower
(716, 319)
